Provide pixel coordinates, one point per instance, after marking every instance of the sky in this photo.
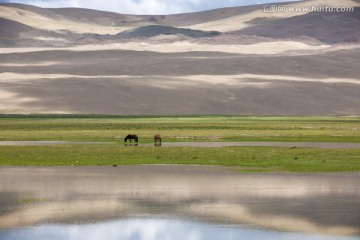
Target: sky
(144, 6)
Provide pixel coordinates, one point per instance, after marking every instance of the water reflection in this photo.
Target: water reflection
(154, 229)
(321, 203)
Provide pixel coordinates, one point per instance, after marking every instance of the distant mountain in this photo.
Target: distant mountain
(334, 27)
(34, 26)
(235, 61)
(14, 34)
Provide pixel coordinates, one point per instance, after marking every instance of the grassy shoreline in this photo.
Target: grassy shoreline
(104, 128)
(185, 128)
(249, 158)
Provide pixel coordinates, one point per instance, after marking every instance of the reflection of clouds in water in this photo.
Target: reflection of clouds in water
(153, 229)
(149, 229)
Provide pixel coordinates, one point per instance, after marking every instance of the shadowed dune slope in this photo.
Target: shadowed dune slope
(326, 27)
(155, 30)
(10, 31)
(94, 26)
(143, 82)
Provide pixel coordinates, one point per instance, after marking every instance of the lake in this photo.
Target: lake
(176, 202)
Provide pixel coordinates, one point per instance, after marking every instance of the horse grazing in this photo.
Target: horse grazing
(131, 137)
(157, 138)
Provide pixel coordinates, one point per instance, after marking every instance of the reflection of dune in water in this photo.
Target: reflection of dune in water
(49, 211)
(236, 213)
(104, 210)
(312, 203)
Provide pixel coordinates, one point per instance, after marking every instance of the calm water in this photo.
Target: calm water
(154, 229)
(176, 202)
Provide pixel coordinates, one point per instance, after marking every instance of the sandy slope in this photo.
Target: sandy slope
(172, 74)
(39, 21)
(176, 82)
(239, 22)
(240, 80)
(264, 48)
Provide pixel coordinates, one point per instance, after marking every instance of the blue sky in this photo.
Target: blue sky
(144, 6)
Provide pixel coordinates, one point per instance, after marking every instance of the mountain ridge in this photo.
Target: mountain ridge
(72, 24)
(233, 61)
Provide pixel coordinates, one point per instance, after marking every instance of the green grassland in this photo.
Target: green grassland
(113, 129)
(245, 158)
(191, 128)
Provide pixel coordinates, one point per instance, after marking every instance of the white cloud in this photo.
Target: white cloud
(145, 6)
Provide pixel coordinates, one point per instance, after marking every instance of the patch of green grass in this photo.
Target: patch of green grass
(109, 128)
(27, 200)
(32, 200)
(179, 128)
(248, 158)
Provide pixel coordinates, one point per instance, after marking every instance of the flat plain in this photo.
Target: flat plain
(101, 141)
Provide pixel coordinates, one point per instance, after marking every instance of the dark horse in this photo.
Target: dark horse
(131, 137)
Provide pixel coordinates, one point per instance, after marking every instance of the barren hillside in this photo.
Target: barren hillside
(240, 60)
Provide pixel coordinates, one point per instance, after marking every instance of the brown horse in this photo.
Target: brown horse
(131, 137)
(157, 138)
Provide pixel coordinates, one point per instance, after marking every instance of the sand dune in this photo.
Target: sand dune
(266, 48)
(242, 21)
(82, 21)
(88, 61)
(185, 80)
(38, 21)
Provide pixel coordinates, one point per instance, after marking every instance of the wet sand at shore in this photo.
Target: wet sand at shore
(325, 203)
